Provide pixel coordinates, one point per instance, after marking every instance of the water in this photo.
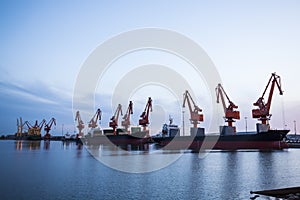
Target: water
(57, 170)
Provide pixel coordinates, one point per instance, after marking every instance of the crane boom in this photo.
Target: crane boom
(263, 110)
(80, 124)
(126, 118)
(196, 115)
(48, 127)
(144, 117)
(230, 114)
(95, 118)
(114, 119)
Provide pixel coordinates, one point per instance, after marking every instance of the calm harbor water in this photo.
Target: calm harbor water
(57, 170)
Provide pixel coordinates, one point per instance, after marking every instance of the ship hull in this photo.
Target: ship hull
(271, 140)
(119, 140)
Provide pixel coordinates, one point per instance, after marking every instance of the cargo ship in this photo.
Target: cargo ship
(264, 138)
(121, 137)
(170, 138)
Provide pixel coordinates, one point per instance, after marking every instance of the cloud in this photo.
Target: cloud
(37, 103)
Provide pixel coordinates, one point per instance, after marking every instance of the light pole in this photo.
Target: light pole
(62, 130)
(183, 122)
(246, 124)
(295, 128)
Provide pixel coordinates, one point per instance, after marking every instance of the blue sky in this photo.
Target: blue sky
(45, 43)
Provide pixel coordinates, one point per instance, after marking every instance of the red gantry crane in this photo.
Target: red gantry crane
(114, 119)
(126, 118)
(144, 121)
(80, 125)
(263, 111)
(230, 113)
(48, 128)
(94, 121)
(196, 115)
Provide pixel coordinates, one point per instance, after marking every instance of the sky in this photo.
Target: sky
(44, 45)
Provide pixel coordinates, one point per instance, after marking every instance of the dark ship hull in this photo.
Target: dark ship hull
(121, 138)
(270, 140)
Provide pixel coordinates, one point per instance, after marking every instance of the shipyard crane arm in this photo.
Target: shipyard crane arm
(42, 123)
(48, 126)
(126, 117)
(28, 124)
(144, 117)
(78, 119)
(229, 111)
(196, 115)
(94, 120)
(263, 110)
(114, 119)
(80, 124)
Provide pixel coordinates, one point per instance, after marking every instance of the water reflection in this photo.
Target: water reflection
(46, 144)
(27, 145)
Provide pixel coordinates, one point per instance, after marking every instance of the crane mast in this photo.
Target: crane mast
(196, 115)
(80, 124)
(144, 117)
(263, 110)
(230, 113)
(97, 116)
(126, 118)
(114, 119)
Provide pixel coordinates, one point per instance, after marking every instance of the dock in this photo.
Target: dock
(285, 193)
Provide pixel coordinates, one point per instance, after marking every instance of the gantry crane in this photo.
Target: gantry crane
(230, 113)
(126, 118)
(263, 110)
(94, 121)
(48, 128)
(36, 129)
(80, 125)
(144, 121)
(114, 119)
(196, 115)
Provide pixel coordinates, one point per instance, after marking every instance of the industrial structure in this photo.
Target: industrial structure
(34, 132)
(80, 125)
(230, 113)
(48, 127)
(93, 123)
(196, 115)
(114, 119)
(20, 126)
(126, 117)
(144, 117)
(262, 113)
